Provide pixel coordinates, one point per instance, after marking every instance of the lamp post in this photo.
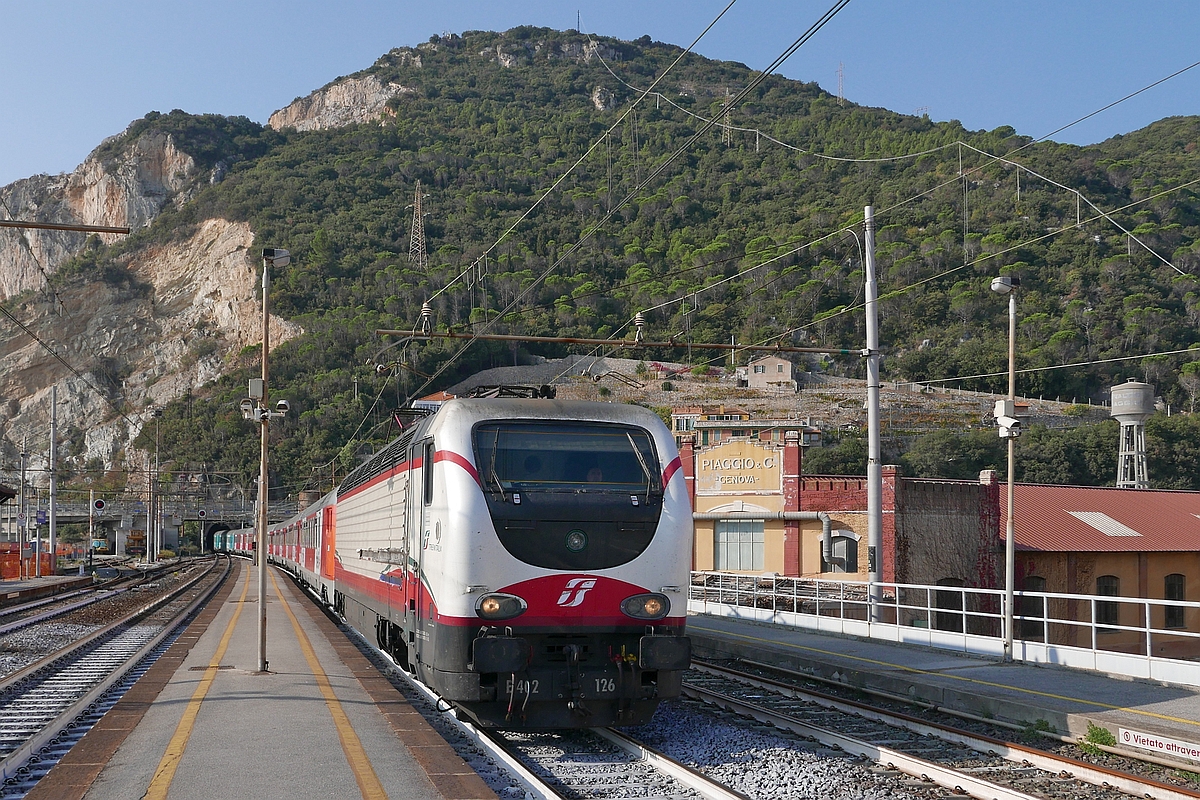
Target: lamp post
(1009, 428)
(22, 514)
(53, 485)
(153, 545)
(255, 407)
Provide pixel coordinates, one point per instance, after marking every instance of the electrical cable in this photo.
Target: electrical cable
(981, 259)
(592, 148)
(37, 261)
(1050, 368)
(65, 363)
(1114, 103)
(1085, 199)
(758, 132)
(812, 31)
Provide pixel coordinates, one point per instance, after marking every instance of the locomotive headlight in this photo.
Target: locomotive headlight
(576, 540)
(646, 606)
(500, 606)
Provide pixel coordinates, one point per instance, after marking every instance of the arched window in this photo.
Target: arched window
(1173, 589)
(1108, 613)
(844, 552)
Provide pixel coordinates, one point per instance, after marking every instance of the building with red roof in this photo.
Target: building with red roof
(1112, 542)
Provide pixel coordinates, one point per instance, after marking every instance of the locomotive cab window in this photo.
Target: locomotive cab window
(579, 457)
(570, 495)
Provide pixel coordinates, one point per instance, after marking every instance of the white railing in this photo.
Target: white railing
(1118, 635)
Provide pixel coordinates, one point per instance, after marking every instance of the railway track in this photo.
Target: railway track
(15, 618)
(963, 762)
(742, 735)
(48, 706)
(598, 764)
(588, 764)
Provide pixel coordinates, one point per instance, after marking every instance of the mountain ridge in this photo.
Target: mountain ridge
(488, 120)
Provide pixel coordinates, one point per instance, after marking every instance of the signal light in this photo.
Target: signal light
(500, 606)
(646, 606)
(98, 504)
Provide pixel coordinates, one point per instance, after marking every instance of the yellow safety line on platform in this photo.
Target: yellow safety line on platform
(364, 774)
(165, 773)
(1096, 703)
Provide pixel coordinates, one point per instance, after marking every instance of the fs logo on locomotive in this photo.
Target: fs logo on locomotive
(574, 591)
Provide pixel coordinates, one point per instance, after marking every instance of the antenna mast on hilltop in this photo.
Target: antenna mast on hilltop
(416, 244)
(841, 84)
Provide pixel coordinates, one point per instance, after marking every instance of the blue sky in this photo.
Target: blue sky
(75, 72)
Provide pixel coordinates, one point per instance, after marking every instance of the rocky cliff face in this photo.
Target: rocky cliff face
(196, 302)
(125, 190)
(140, 348)
(349, 101)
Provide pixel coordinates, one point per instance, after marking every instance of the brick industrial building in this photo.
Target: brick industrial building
(934, 531)
(758, 513)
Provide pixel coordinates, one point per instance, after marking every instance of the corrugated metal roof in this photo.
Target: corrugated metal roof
(1087, 519)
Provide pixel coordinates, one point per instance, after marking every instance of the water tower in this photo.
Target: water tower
(1132, 405)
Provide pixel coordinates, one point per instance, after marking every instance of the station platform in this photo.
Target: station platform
(19, 590)
(322, 722)
(1022, 694)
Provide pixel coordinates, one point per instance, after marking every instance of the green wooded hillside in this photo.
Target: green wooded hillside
(485, 140)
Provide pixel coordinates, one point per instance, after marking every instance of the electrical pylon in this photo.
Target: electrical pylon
(416, 243)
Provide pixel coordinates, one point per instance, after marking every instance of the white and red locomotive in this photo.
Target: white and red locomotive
(528, 559)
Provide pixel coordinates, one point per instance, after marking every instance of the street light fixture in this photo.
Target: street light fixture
(153, 543)
(1009, 428)
(260, 412)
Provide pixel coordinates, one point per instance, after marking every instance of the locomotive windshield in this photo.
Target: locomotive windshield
(573, 457)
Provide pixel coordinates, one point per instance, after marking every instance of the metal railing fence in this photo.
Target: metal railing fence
(1136, 637)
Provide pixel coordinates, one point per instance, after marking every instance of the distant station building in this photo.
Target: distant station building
(746, 488)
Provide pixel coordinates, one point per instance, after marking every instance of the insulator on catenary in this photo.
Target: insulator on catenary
(639, 322)
(426, 317)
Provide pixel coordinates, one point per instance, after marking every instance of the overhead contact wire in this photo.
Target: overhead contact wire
(812, 31)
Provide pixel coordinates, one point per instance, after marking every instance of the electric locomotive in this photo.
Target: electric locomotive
(528, 559)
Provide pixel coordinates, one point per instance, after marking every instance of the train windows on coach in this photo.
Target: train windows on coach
(427, 472)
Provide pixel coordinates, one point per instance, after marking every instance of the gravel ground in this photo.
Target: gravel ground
(21, 648)
(760, 761)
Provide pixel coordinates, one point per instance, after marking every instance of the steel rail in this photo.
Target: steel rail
(15, 760)
(1123, 752)
(489, 743)
(1010, 751)
(24, 608)
(894, 759)
(493, 744)
(693, 779)
(34, 619)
